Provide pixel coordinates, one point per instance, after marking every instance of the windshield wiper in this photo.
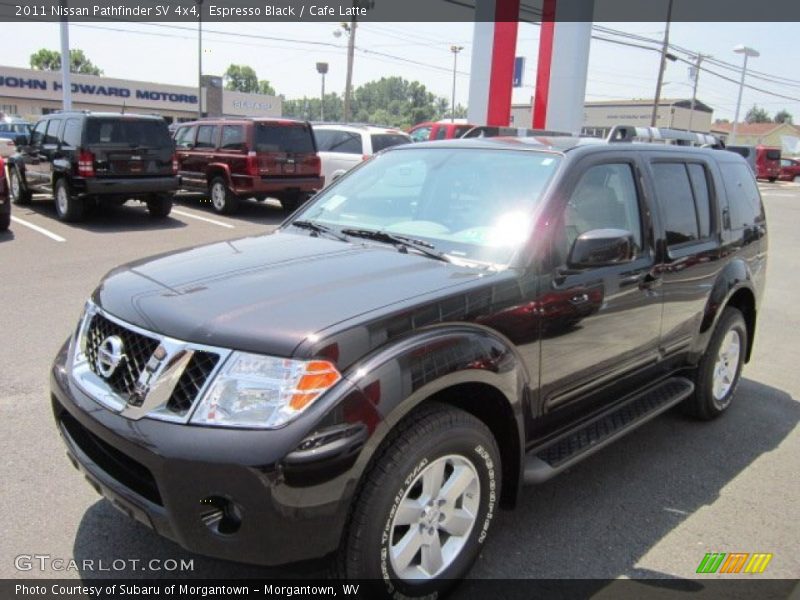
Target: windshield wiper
(403, 243)
(318, 228)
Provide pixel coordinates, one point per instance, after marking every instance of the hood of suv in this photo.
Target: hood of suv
(267, 294)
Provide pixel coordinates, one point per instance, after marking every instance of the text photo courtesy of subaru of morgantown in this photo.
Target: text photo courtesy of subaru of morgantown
(426, 300)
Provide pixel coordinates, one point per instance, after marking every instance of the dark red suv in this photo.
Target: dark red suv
(241, 158)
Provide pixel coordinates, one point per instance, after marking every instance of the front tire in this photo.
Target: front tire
(719, 371)
(223, 200)
(159, 206)
(68, 207)
(20, 195)
(425, 505)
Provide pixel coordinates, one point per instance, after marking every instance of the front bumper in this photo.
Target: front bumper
(172, 477)
(132, 186)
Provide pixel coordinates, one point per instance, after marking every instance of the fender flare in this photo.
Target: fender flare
(392, 368)
(212, 168)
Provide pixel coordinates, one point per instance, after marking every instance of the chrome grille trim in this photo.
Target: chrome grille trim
(158, 380)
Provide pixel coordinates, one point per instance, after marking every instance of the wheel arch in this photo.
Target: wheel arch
(734, 287)
(218, 170)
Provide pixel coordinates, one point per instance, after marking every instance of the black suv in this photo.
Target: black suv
(448, 321)
(83, 158)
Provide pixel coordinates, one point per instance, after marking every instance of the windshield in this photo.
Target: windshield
(130, 132)
(473, 204)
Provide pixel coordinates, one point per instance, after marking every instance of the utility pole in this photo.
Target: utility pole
(455, 50)
(698, 59)
(662, 65)
(351, 47)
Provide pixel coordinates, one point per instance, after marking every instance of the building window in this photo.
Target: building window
(9, 109)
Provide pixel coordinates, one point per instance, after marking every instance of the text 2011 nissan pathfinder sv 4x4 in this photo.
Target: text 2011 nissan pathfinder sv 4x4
(448, 321)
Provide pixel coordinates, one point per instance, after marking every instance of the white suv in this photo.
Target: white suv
(342, 147)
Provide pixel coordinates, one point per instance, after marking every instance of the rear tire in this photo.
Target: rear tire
(68, 207)
(5, 221)
(772, 179)
(291, 202)
(159, 206)
(425, 506)
(20, 195)
(718, 373)
(223, 200)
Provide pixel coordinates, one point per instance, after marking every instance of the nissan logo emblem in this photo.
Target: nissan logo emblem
(110, 355)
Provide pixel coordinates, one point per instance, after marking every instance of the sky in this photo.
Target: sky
(167, 53)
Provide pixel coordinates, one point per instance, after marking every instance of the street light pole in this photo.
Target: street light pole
(200, 60)
(662, 65)
(747, 51)
(455, 50)
(322, 69)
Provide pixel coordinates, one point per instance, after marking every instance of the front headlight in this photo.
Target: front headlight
(262, 391)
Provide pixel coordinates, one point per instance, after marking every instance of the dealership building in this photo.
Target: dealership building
(600, 117)
(31, 93)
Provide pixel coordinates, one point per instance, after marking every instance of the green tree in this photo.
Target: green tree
(50, 60)
(393, 101)
(241, 78)
(783, 116)
(757, 115)
(264, 87)
(308, 108)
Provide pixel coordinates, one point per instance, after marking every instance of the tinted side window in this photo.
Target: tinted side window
(72, 133)
(232, 137)
(184, 137)
(676, 201)
(744, 203)
(441, 133)
(702, 197)
(37, 136)
(206, 136)
(51, 137)
(605, 198)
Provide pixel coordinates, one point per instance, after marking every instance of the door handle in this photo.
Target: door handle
(645, 281)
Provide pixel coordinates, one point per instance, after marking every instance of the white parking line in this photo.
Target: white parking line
(199, 218)
(41, 230)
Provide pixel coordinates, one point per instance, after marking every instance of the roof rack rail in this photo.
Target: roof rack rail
(680, 137)
(494, 131)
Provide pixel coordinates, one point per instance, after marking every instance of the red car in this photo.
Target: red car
(239, 158)
(790, 170)
(768, 162)
(439, 130)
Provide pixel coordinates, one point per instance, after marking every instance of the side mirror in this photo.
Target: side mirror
(601, 247)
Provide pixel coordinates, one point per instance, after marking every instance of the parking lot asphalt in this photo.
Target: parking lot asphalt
(650, 505)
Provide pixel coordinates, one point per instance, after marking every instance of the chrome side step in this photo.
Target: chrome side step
(546, 461)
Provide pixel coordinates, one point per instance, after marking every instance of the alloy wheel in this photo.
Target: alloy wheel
(434, 519)
(726, 367)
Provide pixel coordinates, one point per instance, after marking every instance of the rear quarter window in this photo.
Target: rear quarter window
(294, 138)
(744, 203)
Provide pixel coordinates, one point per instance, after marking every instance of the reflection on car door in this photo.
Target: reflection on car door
(602, 324)
(32, 155)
